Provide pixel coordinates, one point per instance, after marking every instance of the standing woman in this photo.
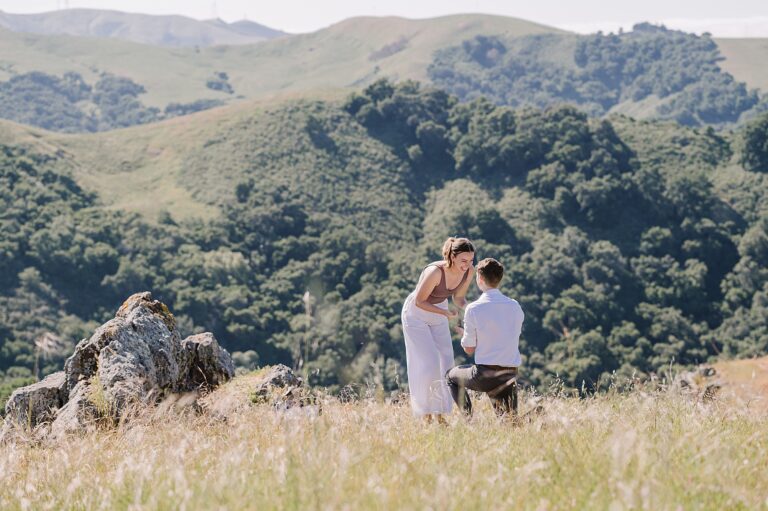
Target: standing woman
(428, 347)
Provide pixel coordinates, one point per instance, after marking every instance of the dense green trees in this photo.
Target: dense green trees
(621, 266)
(70, 105)
(624, 260)
(675, 73)
(754, 145)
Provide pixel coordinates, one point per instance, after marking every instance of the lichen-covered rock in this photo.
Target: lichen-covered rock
(205, 363)
(34, 404)
(132, 354)
(78, 414)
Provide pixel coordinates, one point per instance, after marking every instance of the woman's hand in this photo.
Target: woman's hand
(450, 314)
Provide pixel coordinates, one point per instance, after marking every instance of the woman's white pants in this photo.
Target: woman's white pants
(429, 354)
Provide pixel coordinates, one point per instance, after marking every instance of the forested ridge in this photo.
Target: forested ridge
(651, 71)
(632, 246)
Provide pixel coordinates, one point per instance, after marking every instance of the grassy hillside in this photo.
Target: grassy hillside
(190, 166)
(745, 60)
(348, 54)
(169, 75)
(645, 450)
(132, 177)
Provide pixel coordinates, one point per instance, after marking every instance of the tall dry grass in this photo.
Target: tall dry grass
(614, 451)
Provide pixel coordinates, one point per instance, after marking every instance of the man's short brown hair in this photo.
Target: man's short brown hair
(491, 270)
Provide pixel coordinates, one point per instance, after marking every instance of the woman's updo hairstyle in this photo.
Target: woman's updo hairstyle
(455, 246)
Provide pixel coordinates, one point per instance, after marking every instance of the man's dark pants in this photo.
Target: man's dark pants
(500, 383)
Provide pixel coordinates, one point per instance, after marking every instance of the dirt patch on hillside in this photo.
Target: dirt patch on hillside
(747, 380)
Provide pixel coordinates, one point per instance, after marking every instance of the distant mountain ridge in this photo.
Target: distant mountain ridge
(170, 31)
(349, 54)
(508, 60)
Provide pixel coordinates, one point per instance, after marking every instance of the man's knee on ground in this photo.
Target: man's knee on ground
(451, 376)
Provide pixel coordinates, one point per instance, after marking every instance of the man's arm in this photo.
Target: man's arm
(469, 333)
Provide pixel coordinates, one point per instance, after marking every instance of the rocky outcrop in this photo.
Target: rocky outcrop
(130, 361)
(37, 403)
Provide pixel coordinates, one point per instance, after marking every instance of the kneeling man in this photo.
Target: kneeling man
(491, 332)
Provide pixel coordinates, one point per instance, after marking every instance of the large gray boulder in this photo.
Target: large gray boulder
(130, 355)
(37, 403)
(130, 361)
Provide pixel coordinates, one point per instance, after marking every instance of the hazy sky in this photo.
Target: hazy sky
(723, 18)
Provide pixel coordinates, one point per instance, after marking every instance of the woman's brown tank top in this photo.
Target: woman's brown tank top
(441, 291)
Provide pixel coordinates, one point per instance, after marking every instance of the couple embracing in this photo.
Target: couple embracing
(491, 333)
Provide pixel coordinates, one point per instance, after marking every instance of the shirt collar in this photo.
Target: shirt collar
(492, 292)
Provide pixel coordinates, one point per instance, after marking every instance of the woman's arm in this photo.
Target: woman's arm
(459, 296)
(428, 282)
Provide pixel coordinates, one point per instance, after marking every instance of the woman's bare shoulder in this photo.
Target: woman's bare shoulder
(430, 272)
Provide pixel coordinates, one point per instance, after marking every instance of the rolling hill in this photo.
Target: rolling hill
(346, 55)
(170, 31)
(189, 166)
(331, 61)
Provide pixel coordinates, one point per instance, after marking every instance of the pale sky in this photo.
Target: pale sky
(733, 18)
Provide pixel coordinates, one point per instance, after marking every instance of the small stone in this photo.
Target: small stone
(206, 363)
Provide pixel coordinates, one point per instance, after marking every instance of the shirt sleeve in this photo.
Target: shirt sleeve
(469, 340)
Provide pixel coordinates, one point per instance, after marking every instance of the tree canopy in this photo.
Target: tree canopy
(625, 262)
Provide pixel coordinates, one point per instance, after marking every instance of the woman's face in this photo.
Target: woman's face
(464, 260)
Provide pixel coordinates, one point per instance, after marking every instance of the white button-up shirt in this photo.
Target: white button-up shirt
(492, 326)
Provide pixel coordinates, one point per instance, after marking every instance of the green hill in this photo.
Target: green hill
(169, 75)
(649, 72)
(189, 166)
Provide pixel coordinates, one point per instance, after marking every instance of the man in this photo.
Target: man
(491, 332)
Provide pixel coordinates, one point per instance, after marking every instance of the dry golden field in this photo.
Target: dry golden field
(645, 449)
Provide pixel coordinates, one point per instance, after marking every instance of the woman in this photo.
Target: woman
(428, 347)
